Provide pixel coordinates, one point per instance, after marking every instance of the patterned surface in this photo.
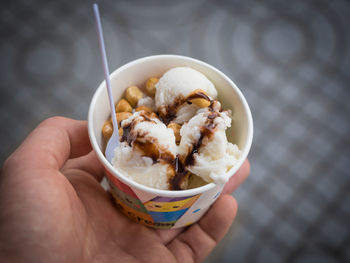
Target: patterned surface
(290, 59)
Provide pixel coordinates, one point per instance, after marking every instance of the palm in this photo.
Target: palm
(54, 210)
(108, 234)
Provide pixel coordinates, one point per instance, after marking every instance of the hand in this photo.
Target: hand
(53, 208)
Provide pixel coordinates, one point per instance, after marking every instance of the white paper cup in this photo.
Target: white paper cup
(166, 208)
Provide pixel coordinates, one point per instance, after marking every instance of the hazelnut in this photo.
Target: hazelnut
(120, 131)
(145, 108)
(122, 116)
(200, 98)
(107, 129)
(122, 106)
(133, 94)
(151, 86)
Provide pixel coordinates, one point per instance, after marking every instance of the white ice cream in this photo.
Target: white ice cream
(134, 163)
(178, 83)
(131, 164)
(215, 155)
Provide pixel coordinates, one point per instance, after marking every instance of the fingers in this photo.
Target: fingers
(166, 235)
(52, 143)
(194, 244)
(88, 163)
(238, 178)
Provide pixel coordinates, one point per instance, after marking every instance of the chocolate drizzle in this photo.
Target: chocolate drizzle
(181, 172)
(206, 131)
(148, 146)
(198, 95)
(129, 135)
(168, 113)
(177, 164)
(180, 164)
(214, 106)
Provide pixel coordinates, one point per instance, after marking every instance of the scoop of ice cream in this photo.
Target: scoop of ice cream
(175, 86)
(145, 148)
(140, 169)
(204, 148)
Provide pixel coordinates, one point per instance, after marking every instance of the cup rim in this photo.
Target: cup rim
(168, 193)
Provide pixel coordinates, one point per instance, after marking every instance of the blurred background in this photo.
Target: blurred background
(291, 59)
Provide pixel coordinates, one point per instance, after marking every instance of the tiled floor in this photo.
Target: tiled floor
(290, 59)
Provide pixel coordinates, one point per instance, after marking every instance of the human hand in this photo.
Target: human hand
(53, 209)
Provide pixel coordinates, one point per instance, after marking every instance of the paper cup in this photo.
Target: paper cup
(166, 208)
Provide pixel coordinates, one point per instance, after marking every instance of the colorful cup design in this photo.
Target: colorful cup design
(158, 211)
(156, 208)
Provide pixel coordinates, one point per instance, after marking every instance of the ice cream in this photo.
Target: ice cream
(204, 146)
(174, 87)
(146, 147)
(176, 139)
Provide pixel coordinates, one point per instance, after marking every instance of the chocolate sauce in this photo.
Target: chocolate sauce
(180, 174)
(149, 149)
(206, 131)
(198, 95)
(180, 166)
(127, 135)
(211, 117)
(211, 106)
(152, 150)
(168, 113)
(147, 118)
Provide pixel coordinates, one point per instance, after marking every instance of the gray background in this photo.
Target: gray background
(291, 60)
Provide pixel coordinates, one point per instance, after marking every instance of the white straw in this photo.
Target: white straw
(105, 68)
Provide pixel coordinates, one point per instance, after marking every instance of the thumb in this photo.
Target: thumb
(50, 144)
